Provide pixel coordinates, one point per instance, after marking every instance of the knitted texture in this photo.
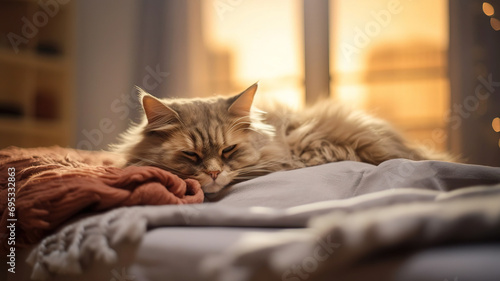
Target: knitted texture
(54, 185)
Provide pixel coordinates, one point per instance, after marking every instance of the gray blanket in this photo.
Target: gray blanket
(330, 216)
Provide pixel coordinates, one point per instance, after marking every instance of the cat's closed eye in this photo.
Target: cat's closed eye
(192, 155)
(229, 149)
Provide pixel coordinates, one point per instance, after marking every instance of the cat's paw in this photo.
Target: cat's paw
(317, 153)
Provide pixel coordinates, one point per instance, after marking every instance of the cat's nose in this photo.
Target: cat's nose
(213, 174)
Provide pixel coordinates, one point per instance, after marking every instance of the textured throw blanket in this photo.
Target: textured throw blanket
(348, 210)
(53, 185)
(348, 231)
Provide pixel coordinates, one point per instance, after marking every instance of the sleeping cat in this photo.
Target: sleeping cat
(222, 140)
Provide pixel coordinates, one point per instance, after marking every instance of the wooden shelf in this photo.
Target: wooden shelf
(38, 84)
(33, 60)
(31, 126)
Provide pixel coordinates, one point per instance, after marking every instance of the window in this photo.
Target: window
(387, 57)
(256, 40)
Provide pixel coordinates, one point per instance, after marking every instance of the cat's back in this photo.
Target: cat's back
(326, 117)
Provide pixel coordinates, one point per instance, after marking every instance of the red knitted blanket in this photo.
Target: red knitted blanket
(53, 185)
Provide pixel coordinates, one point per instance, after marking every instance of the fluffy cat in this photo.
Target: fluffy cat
(222, 140)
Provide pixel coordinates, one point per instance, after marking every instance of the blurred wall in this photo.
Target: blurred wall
(106, 35)
(475, 82)
(156, 45)
(172, 58)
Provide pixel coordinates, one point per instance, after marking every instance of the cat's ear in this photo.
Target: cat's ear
(242, 103)
(155, 110)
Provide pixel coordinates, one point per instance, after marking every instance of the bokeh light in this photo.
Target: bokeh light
(495, 24)
(495, 124)
(488, 9)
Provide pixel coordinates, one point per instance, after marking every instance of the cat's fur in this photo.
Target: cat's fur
(222, 140)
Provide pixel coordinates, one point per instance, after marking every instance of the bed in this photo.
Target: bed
(400, 220)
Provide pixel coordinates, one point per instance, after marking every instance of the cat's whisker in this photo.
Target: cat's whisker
(237, 121)
(255, 169)
(248, 128)
(238, 125)
(244, 178)
(144, 160)
(147, 162)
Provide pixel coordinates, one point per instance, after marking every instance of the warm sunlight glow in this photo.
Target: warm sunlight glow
(389, 61)
(488, 9)
(352, 95)
(263, 42)
(356, 30)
